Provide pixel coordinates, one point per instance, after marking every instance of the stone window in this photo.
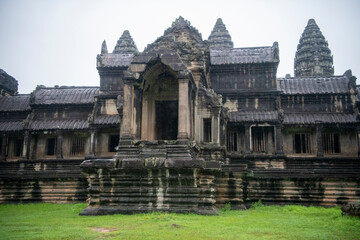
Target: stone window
(77, 145)
(301, 143)
(262, 139)
(331, 143)
(232, 141)
(207, 130)
(259, 139)
(113, 142)
(50, 146)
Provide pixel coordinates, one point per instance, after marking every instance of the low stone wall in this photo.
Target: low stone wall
(55, 181)
(276, 180)
(302, 191)
(304, 181)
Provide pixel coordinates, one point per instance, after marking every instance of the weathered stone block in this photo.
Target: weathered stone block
(352, 209)
(89, 165)
(180, 163)
(155, 162)
(133, 163)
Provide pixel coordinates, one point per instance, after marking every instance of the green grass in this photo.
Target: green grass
(61, 221)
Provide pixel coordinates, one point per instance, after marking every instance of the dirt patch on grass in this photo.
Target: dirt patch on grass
(103, 230)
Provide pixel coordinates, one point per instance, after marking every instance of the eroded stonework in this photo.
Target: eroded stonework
(187, 125)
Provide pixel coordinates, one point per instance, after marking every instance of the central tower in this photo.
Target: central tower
(313, 56)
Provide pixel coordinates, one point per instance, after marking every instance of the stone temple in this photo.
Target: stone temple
(187, 125)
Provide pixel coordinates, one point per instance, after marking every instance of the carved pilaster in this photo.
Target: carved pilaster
(26, 145)
(216, 125)
(34, 146)
(93, 134)
(125, 129)
(59, 141)
(279, 140)
(183, 122)
(319, 140)
(247, 138)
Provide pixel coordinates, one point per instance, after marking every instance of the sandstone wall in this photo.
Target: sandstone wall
(55, 181)
(305, 181)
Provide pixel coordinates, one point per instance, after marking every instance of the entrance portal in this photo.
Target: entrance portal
(166, 120)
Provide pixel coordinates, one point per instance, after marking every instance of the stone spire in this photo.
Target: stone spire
(104, 48)
(125, 44)
(220, 37)
(313, 56)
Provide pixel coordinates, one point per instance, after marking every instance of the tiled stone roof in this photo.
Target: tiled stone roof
(107, 120)
(311, 118)
(9, 126)
(253, 116)
(65, 124)
(244, 55)
(65, 95)
(15, 103)
(314, 85)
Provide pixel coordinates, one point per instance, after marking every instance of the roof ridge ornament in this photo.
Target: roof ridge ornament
(104, 48)
(220, 38)
(125, 44)
(181, 23)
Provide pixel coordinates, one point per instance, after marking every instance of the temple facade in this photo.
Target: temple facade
(185, 126)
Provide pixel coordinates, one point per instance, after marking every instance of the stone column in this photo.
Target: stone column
(3, 147)
(216, 126)
(183, 109)
(279, 140)
(125, 129)
(319, 140)
(59, 141)
(247, 138)
(26, 145)
(34, 146)
(93, 133)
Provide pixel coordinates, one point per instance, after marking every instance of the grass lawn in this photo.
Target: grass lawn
(61, 221)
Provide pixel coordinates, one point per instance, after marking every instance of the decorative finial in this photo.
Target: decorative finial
(181, 23)
(311, 21)
(125, 44)
(220, 38)
(104, 48)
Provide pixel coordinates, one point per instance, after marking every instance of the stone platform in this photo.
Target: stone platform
(148, 177)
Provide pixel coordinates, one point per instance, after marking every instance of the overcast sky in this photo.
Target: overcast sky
(51, 43)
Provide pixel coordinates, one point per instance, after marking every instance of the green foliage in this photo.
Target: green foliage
(257, 204)
(226, 208)
(62, 221)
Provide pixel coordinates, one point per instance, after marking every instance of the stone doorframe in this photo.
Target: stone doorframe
(134, 78)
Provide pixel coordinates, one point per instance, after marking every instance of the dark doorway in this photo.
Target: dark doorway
(113, 143)
(50, 146)
(166, 127)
